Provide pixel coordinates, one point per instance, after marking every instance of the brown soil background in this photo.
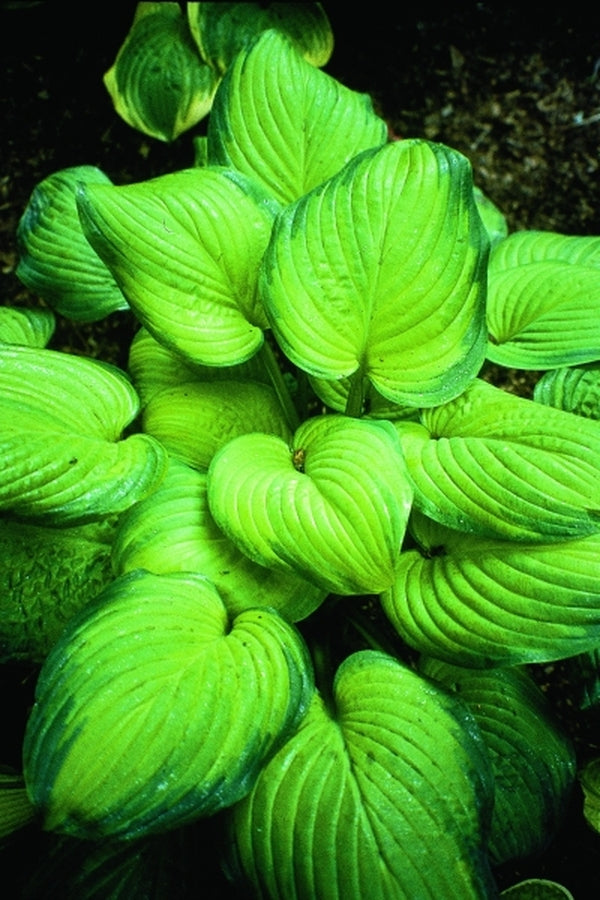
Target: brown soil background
(517, 93)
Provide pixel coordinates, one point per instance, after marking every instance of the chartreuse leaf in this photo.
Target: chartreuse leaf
(379, 274)
(31, 327)
(483, 602)
(62, 419)
(185, 249)
(499, 465)
(357, 804)
(154, 367)
(542, 308)
(173, 530)
(16, 809)
(493, 219)
(47, 575)
(284, 122)
(533, 759)
(158, 82)
(575, 389)
(221, 30)
(332, 507)
(154, 708)
(55, 259)
(195, 419)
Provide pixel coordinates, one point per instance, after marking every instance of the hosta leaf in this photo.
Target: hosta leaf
(154, 709)
(16, 809)
(543, 300)
(221, 30)
(335, 394)
(30, 327)
(481, 603)
(493, 220)
(47, 575)
(380, 272)
(154, 367)
(185, 249)
(500, 465)
(173, 530)
(331, 508)
(286, 123)
(533, 759)
(193, 420)
(590, 784)
(537, 889)
(62, 419)
(158, 83)
(369, 811)
(575, 389)
(56, 261)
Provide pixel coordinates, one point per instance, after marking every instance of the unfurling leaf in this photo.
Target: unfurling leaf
(389, 794)
(331, 508)
(155, 709)
(380, 274)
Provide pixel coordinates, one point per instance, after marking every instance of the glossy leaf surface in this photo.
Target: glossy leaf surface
(357, 805)
(331, 508)
(185, 249)
(111, 747)
(380, 273)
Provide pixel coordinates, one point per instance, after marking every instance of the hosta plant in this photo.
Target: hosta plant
(291, 573)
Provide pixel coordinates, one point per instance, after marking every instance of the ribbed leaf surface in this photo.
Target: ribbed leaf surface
(173, 530)
(500, 465)
(158, 83)
(357, 804)
(286, 123)
(333, 508)
(185, 250)
(380, 271)
(221, 30)
(533, 759)
(55, 259)
(61, 419)
(30, 327)
(483, 603)
(544, 300)
(154, 709)
(574, 389)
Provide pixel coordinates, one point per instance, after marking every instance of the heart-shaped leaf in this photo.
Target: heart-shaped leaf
(533, 759)
(357, 803)
(285, 123)
(173, 530)
(542, 307)
(154, 708)
(185, 250)
(221, 30)
(62, 419)
(332, 507)
(158, 82)
(55, 259)
(477, 602)
(380, 273)
(500, 465)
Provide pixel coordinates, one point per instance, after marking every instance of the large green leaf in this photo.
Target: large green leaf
(286, 123)
(46, 576)
(173, 530)
(331, 508)
(575, 389)
(31, 327)
(387, 795)
(532, 757)
(185, 249)
(55, 259)
(380, 273)
(221, 30)
(158, 82)
(544, 300)
(500, 465)
(155, 709)
(482, 602)
(62, 418)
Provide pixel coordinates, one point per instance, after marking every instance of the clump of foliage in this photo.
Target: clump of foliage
(289, 572)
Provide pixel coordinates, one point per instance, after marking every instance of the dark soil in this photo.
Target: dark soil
(518, 95)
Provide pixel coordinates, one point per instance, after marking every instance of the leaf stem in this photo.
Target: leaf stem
(356, 395)
(278, 382)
